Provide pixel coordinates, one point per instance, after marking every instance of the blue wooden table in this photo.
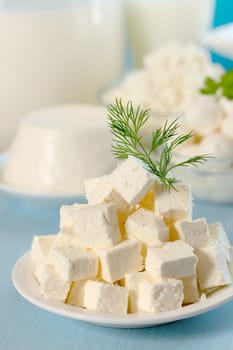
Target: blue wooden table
(25, 327)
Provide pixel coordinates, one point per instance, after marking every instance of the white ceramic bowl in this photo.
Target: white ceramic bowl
(55, 149)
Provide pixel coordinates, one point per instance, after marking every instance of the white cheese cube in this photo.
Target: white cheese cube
(226, 250)
(148, 200)
(41, 246)
(190, 288)
(171, 259)
(123, 258)
(160, 296)
(52, 285)
(104, 297)
(219, 238)
(95, 226)
(132, 181)
(74, 263)
(147, 227)
(67, 214)
(131, 282)
(65, 238)
(76, 293)
(212, 269)
(195, 233)
(101, 190)
(217, 232)
(174, 205)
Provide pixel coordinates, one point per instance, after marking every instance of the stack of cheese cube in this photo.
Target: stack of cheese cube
(132, 248)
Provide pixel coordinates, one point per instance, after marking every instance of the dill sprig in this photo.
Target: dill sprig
(126, 124)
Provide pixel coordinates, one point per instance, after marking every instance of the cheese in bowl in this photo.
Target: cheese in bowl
(59, 143)
(133, 248)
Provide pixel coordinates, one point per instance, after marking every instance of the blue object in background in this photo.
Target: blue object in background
(223, 15)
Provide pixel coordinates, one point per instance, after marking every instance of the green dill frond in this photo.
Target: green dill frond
(126, 122)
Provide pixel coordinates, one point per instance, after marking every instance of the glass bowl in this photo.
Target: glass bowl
(212, 181)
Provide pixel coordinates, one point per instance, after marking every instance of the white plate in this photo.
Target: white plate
(25, 283)
(62, 197)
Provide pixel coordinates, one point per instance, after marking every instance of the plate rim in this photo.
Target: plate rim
(21, 271)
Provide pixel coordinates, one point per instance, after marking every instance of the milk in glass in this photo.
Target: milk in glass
(52, 54)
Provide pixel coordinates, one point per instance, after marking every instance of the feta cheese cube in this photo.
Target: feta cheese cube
(171, 259)
(52, 285)
(160, 296)
(104, 297)
(174, 205)
(76, 293)
(101, 190)
(65, 238)
(148, 201)
(147, 227)
(41, 246)
(190, 288)
(74, 263)
(219, 238)
(195, 233)
(132, 181)
(95, 226)
(225, 250)
(212, 269)
(217, 232)
(173, 234)
(131, 282)
(123, 258)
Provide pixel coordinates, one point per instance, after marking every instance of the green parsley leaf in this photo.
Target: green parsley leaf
(223, 87)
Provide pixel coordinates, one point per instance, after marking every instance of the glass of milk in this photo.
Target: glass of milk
(55, 52)
(153, 23)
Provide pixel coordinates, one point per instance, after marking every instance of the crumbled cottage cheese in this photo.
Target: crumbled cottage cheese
(169, 80)
(211, 120)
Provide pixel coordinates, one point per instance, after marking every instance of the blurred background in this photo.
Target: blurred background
(156, 53)
(70, 51)
(223, 14)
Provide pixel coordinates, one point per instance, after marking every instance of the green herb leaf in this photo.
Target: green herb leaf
(227, 84)
(222, 87)
(210, 88)
(125, 124)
